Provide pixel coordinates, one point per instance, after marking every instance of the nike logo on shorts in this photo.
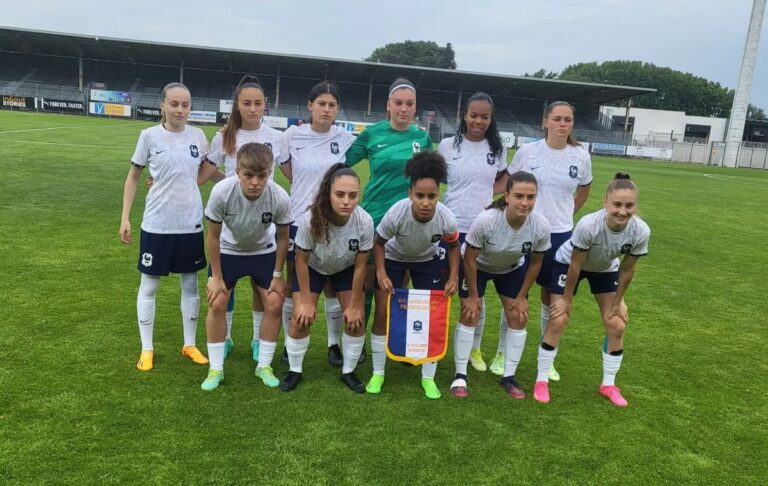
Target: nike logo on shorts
(197, 262)
(435, 280)
(381, 145)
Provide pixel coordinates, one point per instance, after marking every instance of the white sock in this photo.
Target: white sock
(216, 356)
(611, 365)
(544, 319)
(333, 320)
(190, 307)
(462, 346)
(145, 310)
(478, 341)
(351, 347)
(266, 353)
(378, 353)
(428, 370)
(503, 326)
(513, 350)
(257, 316)
(297, 348)
(546, 360)
(230, 315)
(287, 311)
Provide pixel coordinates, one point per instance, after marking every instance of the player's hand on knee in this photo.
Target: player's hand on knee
(215, 287)
(305, 315)
(559, 308)
(518, 308)
(353, 316)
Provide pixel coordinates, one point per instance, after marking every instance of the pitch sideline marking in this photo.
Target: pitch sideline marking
(66, 144)
(751, 181)
(60, 128)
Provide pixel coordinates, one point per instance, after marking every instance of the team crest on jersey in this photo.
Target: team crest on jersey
(266, 218)
(561, 280)
(268, 145)
(334, 148)
(418, 326)
(193, 151)
(354, 245)
(146, 260)
(527, 247)
(573, 172)
(490, 159)
(436, 238)
(416, 147)
(625, 248)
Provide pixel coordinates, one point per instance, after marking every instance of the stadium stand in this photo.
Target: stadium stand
(64, 66)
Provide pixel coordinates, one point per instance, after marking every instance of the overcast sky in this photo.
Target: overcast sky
(703, 37)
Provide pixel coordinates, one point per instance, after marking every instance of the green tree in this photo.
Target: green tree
(415, 53)
(755, 113)
(676, 90)
(542, 74)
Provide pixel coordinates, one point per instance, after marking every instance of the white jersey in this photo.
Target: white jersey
(411, 241)
(344, 242)
(247, 226)
(604, 246)
(472, 170)
(311, 154)
(559, 173)
(264, 134)
(502, 248)
(173, 204)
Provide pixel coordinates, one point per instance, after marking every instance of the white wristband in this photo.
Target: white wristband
(277, 274)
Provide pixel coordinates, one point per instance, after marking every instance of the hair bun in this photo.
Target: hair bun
(621, 175)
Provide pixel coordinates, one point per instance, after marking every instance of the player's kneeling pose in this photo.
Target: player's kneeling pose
(495, 249)
(241, 212)
(407, 241)
(332, 243)
(593, 252)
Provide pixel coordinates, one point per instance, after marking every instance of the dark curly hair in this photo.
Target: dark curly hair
(427, 165)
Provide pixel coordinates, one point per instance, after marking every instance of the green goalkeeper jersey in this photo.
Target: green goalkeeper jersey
(387, 150)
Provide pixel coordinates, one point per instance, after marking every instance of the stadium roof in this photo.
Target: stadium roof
(22, 41)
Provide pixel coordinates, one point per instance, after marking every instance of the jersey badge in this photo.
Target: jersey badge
(268, 145)
(146, 259)
(416, 147)
(418, 326)
(625, 248)
(266, 218)
(436, 238)
(354, 245)
(490, 159)
(334, 148)
(527, 247)
(194, 152)
(573, 172)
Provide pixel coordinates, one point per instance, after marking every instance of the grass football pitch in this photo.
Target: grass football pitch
(74, 409)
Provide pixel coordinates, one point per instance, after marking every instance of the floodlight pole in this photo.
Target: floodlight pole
(741, 97)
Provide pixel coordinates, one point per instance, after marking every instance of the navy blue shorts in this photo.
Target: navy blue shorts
(341, 281)
(507, 284)
(599, 282)
(424, 275)
(291, 243)
(258, 267)
(161, 254)
(557, 240)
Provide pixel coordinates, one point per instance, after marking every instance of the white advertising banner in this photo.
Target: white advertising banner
(649, 152)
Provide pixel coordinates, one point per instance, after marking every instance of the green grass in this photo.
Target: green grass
(75, 410)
